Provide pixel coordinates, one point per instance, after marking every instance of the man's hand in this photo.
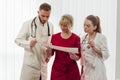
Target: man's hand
(32, 43)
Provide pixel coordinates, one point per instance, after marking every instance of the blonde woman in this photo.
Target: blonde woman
(65, 66)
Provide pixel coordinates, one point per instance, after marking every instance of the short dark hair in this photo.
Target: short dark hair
(45, 6)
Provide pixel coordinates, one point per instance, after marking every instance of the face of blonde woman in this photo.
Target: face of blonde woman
(88, 26)
(65, 28)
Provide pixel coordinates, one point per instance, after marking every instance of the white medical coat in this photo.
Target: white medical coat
(94, 68)
(34, 63)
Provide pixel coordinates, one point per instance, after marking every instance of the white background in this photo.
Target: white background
(14, 12)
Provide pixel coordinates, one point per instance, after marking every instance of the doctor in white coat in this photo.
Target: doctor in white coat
(94, 50)
(33, 35)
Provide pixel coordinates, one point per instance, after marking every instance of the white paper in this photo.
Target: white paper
(65, 49)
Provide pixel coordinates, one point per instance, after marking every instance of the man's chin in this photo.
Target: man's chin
(43, 22)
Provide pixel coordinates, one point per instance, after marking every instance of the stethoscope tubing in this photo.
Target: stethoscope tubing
(33, 23)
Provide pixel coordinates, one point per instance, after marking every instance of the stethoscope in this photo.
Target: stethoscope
(34, 26)
(85, 42)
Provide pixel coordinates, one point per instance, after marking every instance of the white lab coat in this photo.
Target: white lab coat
(34, 63)
(94, 68)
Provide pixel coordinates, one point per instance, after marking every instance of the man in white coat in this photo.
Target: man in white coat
(32, 36)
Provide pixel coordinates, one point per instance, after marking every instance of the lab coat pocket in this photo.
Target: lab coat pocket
(30, 58)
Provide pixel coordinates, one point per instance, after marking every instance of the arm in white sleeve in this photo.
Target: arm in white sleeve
(22, 38)
(104, 48)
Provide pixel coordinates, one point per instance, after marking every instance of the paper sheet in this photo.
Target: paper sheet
(65, 49)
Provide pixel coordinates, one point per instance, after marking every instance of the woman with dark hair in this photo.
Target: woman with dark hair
(94, 50)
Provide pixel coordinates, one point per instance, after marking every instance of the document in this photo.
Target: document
(65, 49)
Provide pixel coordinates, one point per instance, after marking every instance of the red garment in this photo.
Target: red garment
(63, 67)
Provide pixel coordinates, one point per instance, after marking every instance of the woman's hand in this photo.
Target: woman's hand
(47, 52)
(91, 43)
(73, 56)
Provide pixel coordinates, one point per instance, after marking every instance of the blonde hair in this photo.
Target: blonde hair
(67, 20)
